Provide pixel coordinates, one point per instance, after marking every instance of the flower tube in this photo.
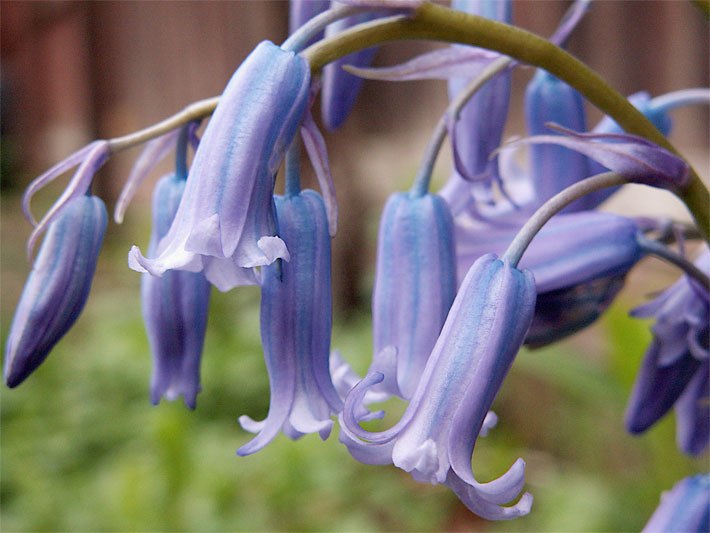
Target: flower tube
(58, 286)
(435, 438)
(225, 222)
(295, 327)
(175, 310)
(415, 283)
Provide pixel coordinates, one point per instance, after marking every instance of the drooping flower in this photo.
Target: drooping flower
(57, 287)
(415, 284)
(478, 132)
(676, 361)
(579, 261)
(175, 310)
(340, 88)
(686, 507)
(553, 168)
(295, 327)
(435, 437)
(225, 222)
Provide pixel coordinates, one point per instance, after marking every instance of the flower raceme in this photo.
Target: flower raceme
(415, 284)
(675, 369)
(225, 223)
(57, 287)
(435, 437)
(295, 327)
(175, 310)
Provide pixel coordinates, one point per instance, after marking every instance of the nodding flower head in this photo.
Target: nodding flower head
(686, 507)
(554, 168)
(675, 368)
(295, 327)
(225, 222)
(415, 283)
(435, 438)
(58, 286)
(175, 310)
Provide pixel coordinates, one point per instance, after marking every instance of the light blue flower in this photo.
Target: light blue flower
(225, 224)
(553, 168)
(415, 284)
(295, 327)
(58, 285)
(435, 438)
(175, 310)
(685, 508)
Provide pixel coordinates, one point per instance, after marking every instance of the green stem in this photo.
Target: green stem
(439, 23)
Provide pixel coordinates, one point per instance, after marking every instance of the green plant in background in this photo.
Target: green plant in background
(123, 467)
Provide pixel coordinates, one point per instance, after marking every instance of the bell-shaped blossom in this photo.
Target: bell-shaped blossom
(553, 168)
(295, 327)
(57, 287)
(225, 222)
(340, 88)
(415, 283)
(579, 261)
(686, 507)
(435, 438)
(676, 363)
(478, 132)
(175, 310)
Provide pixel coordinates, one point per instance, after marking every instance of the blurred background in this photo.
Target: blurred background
(83, 450)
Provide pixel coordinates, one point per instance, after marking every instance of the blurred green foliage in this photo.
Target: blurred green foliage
(83, 450)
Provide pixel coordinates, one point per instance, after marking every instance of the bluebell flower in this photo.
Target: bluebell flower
(435, 438)
(175, 310)
(340, 88)
(415, 283)
(676, 361)
(57, 287)
(685, 508)
(579, 261)
(478, 132)
(295, 327)
(553, 168)
(225, 223)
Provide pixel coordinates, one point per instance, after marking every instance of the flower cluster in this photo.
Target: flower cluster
(463, 278)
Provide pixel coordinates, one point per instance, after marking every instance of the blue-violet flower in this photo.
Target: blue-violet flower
(435, 437)
(676, 361)
(686, 507)
(175, 310)
(225, 222)
(295, 327)
(57, 287)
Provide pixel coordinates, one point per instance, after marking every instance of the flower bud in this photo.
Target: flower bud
(58, 286)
